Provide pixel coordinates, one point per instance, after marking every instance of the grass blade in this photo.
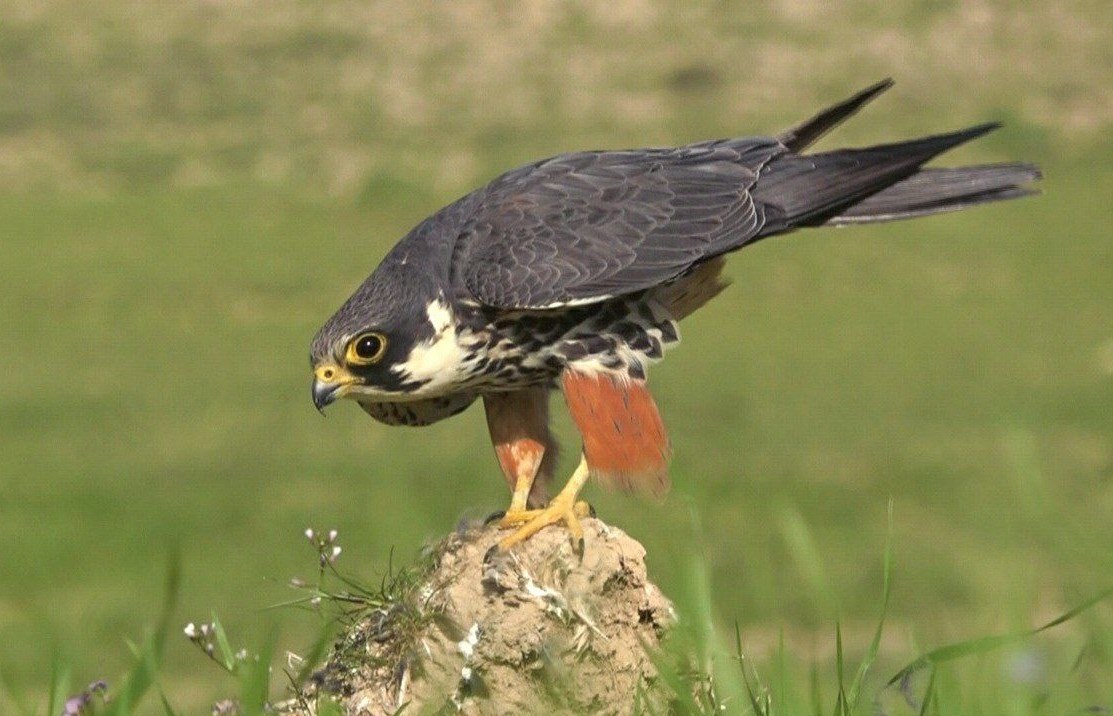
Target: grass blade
(227, 656)
(313, 657)
(816, 691)
(840, 702)
(886, 590)
(751, 694)
(59, 685)
(929, 694)
(138, 681)
(143, 675)
(167, 708)
(255, 679)
(986, 644)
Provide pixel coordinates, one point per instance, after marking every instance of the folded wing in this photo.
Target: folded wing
(582, 228)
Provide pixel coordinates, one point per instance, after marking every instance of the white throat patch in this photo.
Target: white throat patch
(437, 361)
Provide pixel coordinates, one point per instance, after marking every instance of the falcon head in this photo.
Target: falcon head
(393, 340)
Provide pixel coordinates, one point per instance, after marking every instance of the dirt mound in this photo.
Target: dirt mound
(540, 630)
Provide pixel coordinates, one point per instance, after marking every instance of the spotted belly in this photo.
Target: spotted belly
(521, 349)
(418, 413)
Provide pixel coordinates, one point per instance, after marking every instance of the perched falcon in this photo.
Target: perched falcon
(574, 271)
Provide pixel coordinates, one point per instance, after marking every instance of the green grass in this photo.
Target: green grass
(158, 398)
(186, 196)
(1022, 672)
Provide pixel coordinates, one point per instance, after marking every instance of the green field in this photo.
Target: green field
(187, 193)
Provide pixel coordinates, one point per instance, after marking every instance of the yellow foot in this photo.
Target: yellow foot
(513, 518)
(533, 521)
(563, 508)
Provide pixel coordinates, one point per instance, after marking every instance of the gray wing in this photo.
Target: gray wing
(580, 228)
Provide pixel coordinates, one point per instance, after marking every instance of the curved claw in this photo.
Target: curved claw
(563, 508)
(495, 516)
(558, 511)
(514, 518)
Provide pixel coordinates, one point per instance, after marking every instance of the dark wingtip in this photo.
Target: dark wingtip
(939, 143)
(979, 129)
(862, 96)
(808, 132)
(876, 88)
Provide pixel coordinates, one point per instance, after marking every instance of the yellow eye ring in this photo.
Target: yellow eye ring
(366, 349)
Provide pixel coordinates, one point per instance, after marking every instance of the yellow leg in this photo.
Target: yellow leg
(563, 508)
(517, 513)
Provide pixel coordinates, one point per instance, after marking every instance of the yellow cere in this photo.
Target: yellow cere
(331, 373)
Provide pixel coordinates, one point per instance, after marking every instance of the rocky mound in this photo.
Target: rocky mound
(540, 630)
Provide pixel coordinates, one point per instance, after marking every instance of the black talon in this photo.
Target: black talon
(590, 510)
(579, 547)
(494, 517)
(490, 554)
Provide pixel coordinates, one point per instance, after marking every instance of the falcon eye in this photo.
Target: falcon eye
(366, 348)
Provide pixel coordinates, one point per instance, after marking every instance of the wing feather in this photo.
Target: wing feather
(584, 227)
(581, 228)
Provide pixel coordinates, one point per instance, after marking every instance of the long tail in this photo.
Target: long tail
(880, 183)
(932, 191)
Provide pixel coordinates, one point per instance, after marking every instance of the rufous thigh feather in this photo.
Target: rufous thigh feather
(519, 426)
(625, 444)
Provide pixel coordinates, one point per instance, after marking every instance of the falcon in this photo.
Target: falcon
(573, 273)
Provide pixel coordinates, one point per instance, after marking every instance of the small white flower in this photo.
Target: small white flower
(191, 630)
(310, 534)
(241, 655)
(332, 535)
(315, 601)
(335, 553)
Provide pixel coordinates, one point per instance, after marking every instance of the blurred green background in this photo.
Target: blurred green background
(187, 190)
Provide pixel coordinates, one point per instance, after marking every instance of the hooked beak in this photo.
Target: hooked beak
(324, 394)
(330, 383)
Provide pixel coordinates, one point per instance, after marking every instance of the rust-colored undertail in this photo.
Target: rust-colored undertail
(625, 444)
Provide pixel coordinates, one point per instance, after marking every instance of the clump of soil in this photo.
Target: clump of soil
(539, 630)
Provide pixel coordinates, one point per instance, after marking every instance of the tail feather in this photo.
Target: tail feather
(932, 191)
(810, 190)
(808, 132)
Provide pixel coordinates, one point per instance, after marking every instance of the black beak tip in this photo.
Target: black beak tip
(323, 395)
